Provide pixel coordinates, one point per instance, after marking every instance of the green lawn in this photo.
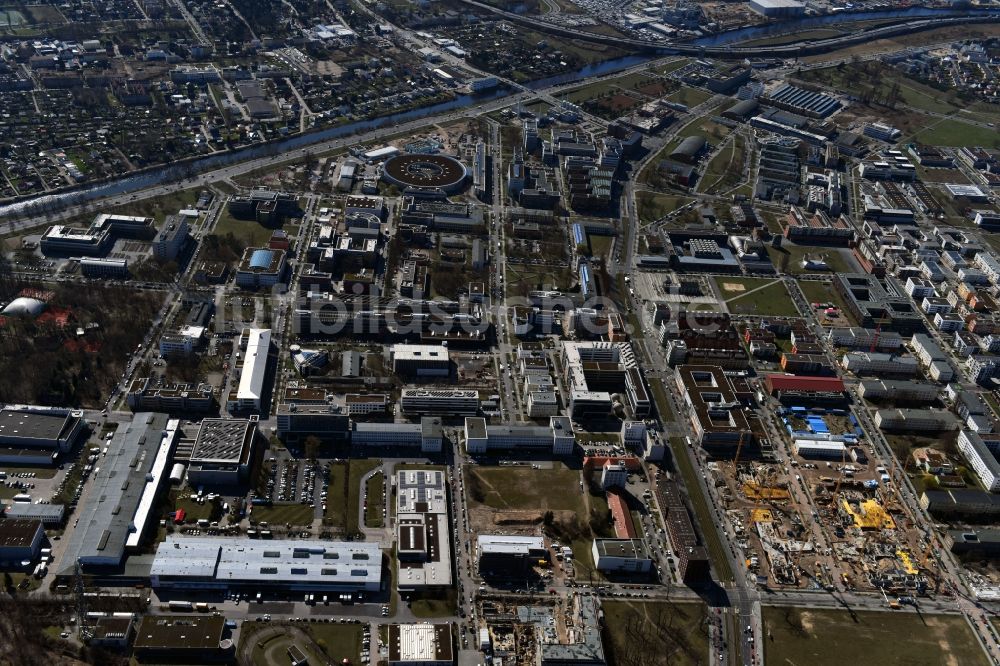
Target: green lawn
(835, 261)
(376, 501)
(40, 472)
(249, 232)
(338, 641)
(286, 513)
(655, 633)
(522, 488)
(336, 494)
(651, 206)
(959, 134)
(725, 171)
(358, 468)
(430, 606)
(823, 292)
(689, 97)
(761, 297)
(834, 637)
(193, 512)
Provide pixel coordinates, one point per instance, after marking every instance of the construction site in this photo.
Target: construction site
(822, 514)
(549, 630)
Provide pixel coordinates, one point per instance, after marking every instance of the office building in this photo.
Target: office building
(170, 239)
(103, 268)
(692, 557)
(718, 414)
(240, 563)
(914, 420)
(908, 391)
(981, 454)
(224, 452)
(557, 437)
(423, 537)
(49, 514)
(420, 360)
(621, 556)
(427, 435)
(508, 556)
(260, 267)
(420, 645)
(457, 402)
(144, 395)
(251, 391)
(296, 421)
(613, 475)
(366, 403)
(95, 240)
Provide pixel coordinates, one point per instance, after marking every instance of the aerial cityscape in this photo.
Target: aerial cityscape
(500, 332)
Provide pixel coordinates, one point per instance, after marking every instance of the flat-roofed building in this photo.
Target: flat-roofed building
(596, 370)
(366, 403)
(915, 420)
(420, 645)
(719, 418)
(103, 267)
(225, 563)
(251, 390)
(145, 396)
(260, 267)
(421, 360)
(123, 493)
(557, 437)
(224, 452)
(427, 435)
(423, 536)
(37, 435)
(621, 556)
(170, 239)
(180, 638)
(457, 402)
(49, 514)
(20, 541)
(508, 556)
(296, 421)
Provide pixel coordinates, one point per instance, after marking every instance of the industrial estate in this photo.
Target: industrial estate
(480, 332)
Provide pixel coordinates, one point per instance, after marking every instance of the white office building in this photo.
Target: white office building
(557, 437)
(251, 387)
(981, 456)
(457, 402)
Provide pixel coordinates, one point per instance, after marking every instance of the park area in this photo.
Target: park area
(833, 637)
(320, 643)
(756, 296)
(653, 633)
(522, 499)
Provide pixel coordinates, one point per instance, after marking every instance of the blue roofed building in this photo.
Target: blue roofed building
(260, 267)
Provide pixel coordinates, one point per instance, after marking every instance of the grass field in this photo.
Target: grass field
(429, 606)
(376, 500)
(835, 261)
(816, 291)
(956, 133)
(522, 278)
(652, 206)
(653, 633)
(689, 96)
(757, 296)
(251, 233)
(671, 66)
(801, 636)
(358, 468)
(600, 88)
(338, 641)
(522, 488)
(725, 171)
(297, 515)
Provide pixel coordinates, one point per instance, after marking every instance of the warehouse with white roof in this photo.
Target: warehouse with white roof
(223, 563)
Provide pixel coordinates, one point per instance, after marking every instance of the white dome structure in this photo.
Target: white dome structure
(24, 307)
